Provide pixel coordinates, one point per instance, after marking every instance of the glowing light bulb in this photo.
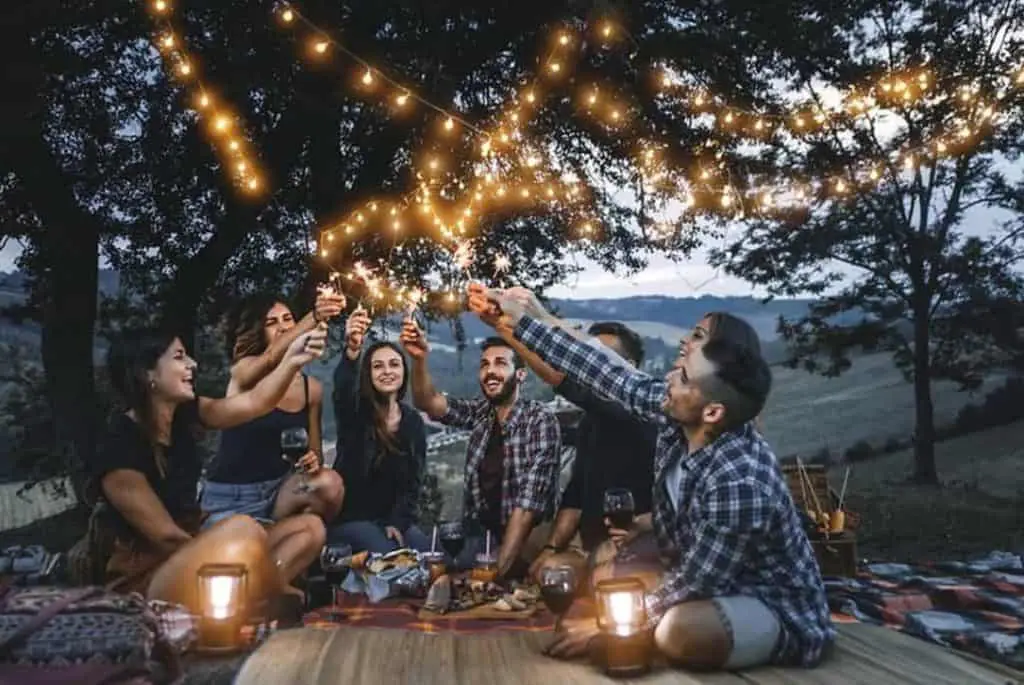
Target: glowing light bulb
(253, 184)
(204, 101)
(555, 67)
(288, 16)
(160, 5)
(449, 124)
(368, 77)
(401, 100)
(321, 46)
(168, 41)
(563, 39)
(222, 123)
(606, 29)
(530, 96)
(184, 68)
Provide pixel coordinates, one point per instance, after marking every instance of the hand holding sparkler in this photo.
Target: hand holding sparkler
(414, 339)
(481, 303)
(330, 300)
(356, 327)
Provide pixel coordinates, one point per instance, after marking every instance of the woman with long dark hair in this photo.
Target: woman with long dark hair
(382, 446)
(145, 532)
(249, 475)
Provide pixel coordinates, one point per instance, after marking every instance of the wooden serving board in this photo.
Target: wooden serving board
(482, 612)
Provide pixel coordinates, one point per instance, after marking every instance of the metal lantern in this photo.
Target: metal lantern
(222, 599)
(622, 619)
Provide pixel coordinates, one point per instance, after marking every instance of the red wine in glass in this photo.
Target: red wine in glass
(619, 507)
(452, 537)
(558, 589)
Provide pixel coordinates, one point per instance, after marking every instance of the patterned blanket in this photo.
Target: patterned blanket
(357, 610)
(976, 607)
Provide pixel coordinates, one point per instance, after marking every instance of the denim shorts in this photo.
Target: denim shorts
(222, 500)
(753, 627)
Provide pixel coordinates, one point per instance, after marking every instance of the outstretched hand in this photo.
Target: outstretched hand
(481, 302)
(307, 347)
(355, 331)
(414, 339)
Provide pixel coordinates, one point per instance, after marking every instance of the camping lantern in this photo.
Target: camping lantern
(622, 618)
(222, 592)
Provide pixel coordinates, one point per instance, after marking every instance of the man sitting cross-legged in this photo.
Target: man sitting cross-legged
(741, 585)
(614, 449)
(513, 454)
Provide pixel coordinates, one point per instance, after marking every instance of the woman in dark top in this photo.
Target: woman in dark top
(382, 446)
(249, 475)
(144, 534)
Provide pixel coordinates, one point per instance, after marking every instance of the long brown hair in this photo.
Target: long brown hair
(244, 327)
(376, 402)
(130, 358)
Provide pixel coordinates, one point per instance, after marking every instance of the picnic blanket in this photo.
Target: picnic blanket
(974, 606)
(402, 613)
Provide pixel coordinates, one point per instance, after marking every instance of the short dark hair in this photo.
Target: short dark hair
(495, 341)
(726, 326)
(632, 343)
(742, 380)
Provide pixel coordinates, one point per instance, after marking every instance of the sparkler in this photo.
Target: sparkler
(501, 266)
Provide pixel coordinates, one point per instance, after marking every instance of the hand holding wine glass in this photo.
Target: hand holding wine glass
(294, 447)
(619, 511)
(558, 589)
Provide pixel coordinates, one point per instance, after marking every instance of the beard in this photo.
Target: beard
(504, 393)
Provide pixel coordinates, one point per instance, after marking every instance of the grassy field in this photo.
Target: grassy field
(871, 401)
(979, 508)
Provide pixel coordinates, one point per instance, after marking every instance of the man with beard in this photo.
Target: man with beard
(741, 586)
(513, 455)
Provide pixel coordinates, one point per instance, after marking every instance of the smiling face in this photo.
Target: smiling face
(685, 401)
(498, 375)
(697, 337)
(173, 377)
(387, 370)
(277, 322)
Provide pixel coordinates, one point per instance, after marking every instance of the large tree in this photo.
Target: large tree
(104, 159)
(911, 233)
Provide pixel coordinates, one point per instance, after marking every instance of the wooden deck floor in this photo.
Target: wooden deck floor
(865, 655)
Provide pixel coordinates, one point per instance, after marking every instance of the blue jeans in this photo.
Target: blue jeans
(369, 536)
(222, 500)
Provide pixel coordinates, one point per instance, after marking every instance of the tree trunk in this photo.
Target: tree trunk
(924, 410)
(67, 268)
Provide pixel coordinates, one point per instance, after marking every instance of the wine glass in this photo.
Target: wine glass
(557, 589)
(294, 446)
(452, 537)
(336, 561)
(619, 507)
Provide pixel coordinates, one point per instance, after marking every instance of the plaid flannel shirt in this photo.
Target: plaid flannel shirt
(736, 530)
(533, 443)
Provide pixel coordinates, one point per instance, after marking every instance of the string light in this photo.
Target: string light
(234, 155)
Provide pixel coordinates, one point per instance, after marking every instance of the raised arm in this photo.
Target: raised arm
(424, 395)
(248, 371)
(346, 373)
(234, 410)
(594, 369)
(543, 370)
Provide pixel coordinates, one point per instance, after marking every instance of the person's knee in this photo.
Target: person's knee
(332, 492)
(692, 634)
(313, 530)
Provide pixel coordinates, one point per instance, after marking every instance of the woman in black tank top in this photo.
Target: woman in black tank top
(249, 475)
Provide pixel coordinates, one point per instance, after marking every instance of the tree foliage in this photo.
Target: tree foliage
(911, 266)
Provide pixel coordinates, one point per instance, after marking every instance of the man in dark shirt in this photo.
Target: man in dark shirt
(613, 450)
(513, 454)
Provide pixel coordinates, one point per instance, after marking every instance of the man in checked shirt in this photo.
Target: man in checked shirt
(741, 585)
(513, 455)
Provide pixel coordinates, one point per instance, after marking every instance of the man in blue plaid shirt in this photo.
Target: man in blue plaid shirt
(513, 455)
(741, 585)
